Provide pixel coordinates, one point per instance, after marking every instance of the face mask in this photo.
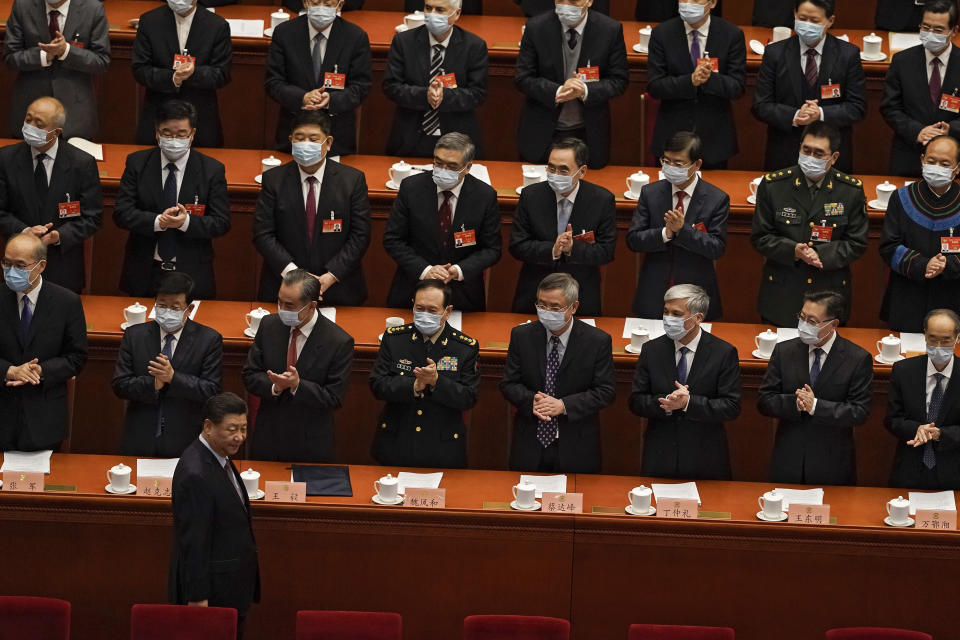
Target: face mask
(174, 148)
(552, 320)
(691, 12)
(939, 356)
(34, 136)
(308, 154)
(17, 279)
(937, 176)
(809, 333)
(675, 175)
(560, 184)
(569, 16)
(437, 24)
(445, 178)
(180, 6)
(933, 42)
(808, 32)
(813, 168)
(291, 318)
(169, 320)
(674, 327)
(321, 17)
(427, 323)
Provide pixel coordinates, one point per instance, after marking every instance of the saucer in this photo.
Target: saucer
(909, 523)
(268, 32)
(639, 49)
(882, 361)
(258, 495)
(629, 196)
(131, 489)
(752, 199)
(258, 178)
(392, 185)
(380, 338)
(125, 325)
(759, 356)
(757, 47)
(629, 348)
(783, 516)
(880, 57)
(876, 204)
(535, 507)
(250, 333)
(650, 511)
(400, 28)
(378, 500)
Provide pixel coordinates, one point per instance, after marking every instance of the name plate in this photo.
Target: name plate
(153, 487)
(562, 502)
(673, 508)
(285, 491)
(23, 481)
(809, 514)
(425, 498)
(926, 518)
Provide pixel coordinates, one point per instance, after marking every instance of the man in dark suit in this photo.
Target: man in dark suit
(693, 96)
(809, 77)
(173, 201)
(683, 243)
(532, 8)
(180, 52)
(58, 48)
(319, 61)
(565, 224)
(572, 63)
(918, 80)
(214, 557)
(427, 374)
(313, 358)
(313, 213)
(166, 370)
(558, 376)
(437, 77)
(772, 13)
(51, 189)
(444, 226)
(687, 383)
(923, 409)
(818, 387)
(43, 344)
(899, 15)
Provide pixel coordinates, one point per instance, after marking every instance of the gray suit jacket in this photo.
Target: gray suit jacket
(69, 80)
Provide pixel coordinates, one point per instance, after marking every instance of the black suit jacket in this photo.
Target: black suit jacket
(898, 15)
(540, 73)
(35, 417)
(298, 427)
(290, 76)
(139, 202)
(656, 10)
(690, 443)
(780, 92)
(412, 238)
(536, 7)
(214, 555)
(153, 50)
(407, 78)
(197, 363)
(280, 231)
(817, 449)
(689, 257)
(706, 109)
(773, 13)
(907, 106)
(535, 232)
(584, 382)
(907, 410)
(75, 173)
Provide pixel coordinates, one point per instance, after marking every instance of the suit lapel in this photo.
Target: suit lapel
(580, 218)
(828, 62)
(12, 312)
(576, 334)
(25, 174)
(324, 198)
(540, 349)
(59, 179)
(153, 179)
(701, 355)
(197, 33)
(170, 25)
(184, 344)
(294, 191)
(920, 86)
(692, 213)
(74, 17)
(452, 56)
(301, 51)
(189, 186)
(39, 314)
(829, 366)
(795, 72)
(553, 33)
(950, 394)
(332, 52)
(424, 53)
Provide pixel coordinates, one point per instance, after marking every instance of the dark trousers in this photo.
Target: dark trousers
(548, 457)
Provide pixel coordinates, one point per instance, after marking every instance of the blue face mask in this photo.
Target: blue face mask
(675, 175)
(180, 6)
(174, 148)
(34, 136)
(170, 320)
(18, 279)
(934, 42)
(569, 15)
(427, 323)
(675, 327)
(560, 184)
(308, 154)
(809, 333)
(445, 178)
(321, 17)
(291, 318)
(808, 32)
(813, 168)
(552, 320)
(939, 356)
(436, 23)
(691, 12)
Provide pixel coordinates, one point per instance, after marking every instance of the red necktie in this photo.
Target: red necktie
(54, 25)
(680, 195)
(936, 83)
(445, 220)
(811, 71)
(292, 349)
(311, 208)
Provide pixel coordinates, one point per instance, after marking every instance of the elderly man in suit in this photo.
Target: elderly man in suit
(43, 343)
(180, 52)
(818, 387)
(58, 48)
(687, 384)
(680, 225)
(444, 226)
(558, 376)
(51, 189)
(319, 61)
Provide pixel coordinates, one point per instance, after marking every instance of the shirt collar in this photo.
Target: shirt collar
(175, 334)
(827, 346)
(565, 336)
(318, 174)
(572, 197)
(947, 370)
(180, 164)
(693, 343)
(433, 339)
(704, 29)
(220, 458)
(689, 190)
(455, 191)
(33, 295)
(307, 329)
(51, 152)
(444, 43)
(944, 55)
(579, 28)
(325, 32)
(818, 48)
(62, 9)
(187, 19)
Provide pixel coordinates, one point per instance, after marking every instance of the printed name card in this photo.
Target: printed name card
(676, 508)
(285, 491)
(23, 481)
(425, 498)
(155, 487)
(562, 502)
(809, 513)
(926, 518)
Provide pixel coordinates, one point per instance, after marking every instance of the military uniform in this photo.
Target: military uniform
(425, 430)
(833, 221)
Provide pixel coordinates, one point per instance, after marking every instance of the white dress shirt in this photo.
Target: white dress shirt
(932, 382)
(944, 59)
(32, 297)
(323, 41)
(183, 27)
(61, 21)
(181, 166)
(305, 190)
(302, 338)
(803, 64)
(686, 202)
(704, 31)
(454, 199)
(49, 160)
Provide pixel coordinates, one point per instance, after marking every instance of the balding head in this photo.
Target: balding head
(27, 246)
(25, 252)
(943, 150)
(47, 114)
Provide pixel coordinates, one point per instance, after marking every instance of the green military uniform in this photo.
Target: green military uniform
(425, 430)
(787, 213)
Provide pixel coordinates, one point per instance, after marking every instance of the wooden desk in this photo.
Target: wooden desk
(105, 553)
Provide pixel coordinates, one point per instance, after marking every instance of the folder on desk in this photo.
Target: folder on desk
(324, 481)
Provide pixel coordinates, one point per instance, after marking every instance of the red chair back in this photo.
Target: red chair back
(676, 632)
(875, 633)
(34, 618)
(166, 621)
(515, 628)
(348, 625)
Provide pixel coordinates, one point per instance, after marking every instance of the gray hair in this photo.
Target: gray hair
(697, 299)
(564, 282)
(309, 286)
(39, 249)
(458, 141)
(455, 4)
(949, 313)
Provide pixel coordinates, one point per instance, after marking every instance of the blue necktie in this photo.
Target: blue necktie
(167, 242)
(547, 429)
(682, 366)
(695, 47)
(815, 369)
(933, 412)
(168, 352)
(26, 315)
(563, 215)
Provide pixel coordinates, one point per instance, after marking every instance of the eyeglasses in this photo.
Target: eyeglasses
(447, 165)
(163, 307)
(19, 265)
(562, 171)
(942, 342)
(813, 321)
(938, 30)
(552, 307)
(674, 163)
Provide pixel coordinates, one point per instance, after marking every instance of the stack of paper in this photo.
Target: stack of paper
(784, 334)
(418, 481)
(942, 500)
(94, 149)
(654, 326)
(800, 496)
(330, 313)
(901, 41)
(678, 491)
(912, 342)
(245, 28)
(456, 320)
(550, 484)
(162, 468)
(27, 462)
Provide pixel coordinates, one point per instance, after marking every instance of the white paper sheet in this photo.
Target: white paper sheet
(654, 326)
(677, 491)
(193, 314)
(94, 149)
(161, 468)
(589, 321)
(901, 41)
(245, 28)
(800, 496)
(554, 484)
(912, 342)
(27, 461)
(456, 320)
(418, 480)
(330, 313)
(942, 500)
(784, 334)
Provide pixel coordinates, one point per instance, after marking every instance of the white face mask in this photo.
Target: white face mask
(937, 176)
(291, 318)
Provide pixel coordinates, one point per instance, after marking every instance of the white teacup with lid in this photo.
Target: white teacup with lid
(135, 314)
(765, 342)
(889, 348)
(119, 478)
(254, 317)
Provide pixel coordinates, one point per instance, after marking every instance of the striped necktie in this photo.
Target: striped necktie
(431, 119)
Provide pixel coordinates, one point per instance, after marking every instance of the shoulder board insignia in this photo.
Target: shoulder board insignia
(404, 328)
(465, 339)
(848, 179)
(773, 176)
